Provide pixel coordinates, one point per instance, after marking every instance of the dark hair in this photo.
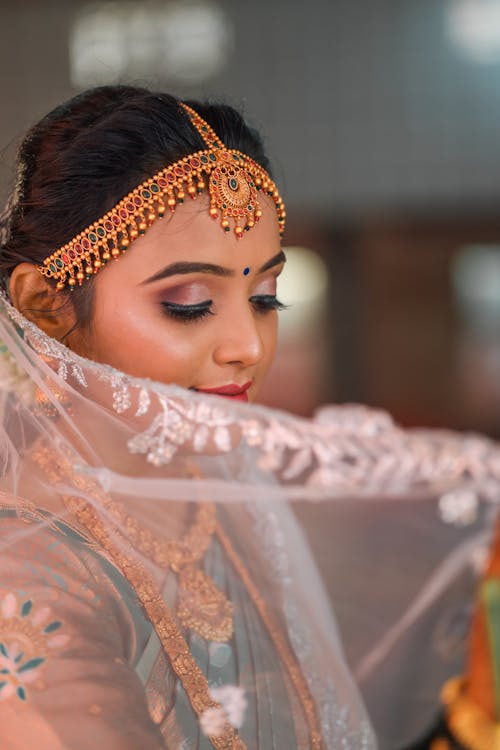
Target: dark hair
(88, 153)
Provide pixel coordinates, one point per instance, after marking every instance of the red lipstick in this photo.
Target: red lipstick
(233, 391)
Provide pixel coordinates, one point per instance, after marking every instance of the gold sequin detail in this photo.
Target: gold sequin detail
(173, 643)
(186, 553)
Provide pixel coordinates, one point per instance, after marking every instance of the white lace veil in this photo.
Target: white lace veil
(192, 499)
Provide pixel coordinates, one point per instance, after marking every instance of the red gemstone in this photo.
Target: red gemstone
(187, 169)
(79, 249)
(123, 213)
(195, 163)
(116, 220)
(138, 200)
(108, 226)
(162, 182)
(179, 172)
(85, 244)
(170, 176)
(65, 258)
(130, 207)
(72, 254)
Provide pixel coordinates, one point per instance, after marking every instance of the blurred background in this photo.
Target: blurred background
(382, 120)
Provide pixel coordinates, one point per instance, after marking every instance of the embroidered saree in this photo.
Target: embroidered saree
(156, 588)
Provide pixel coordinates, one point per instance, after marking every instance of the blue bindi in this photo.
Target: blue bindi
(246, 271)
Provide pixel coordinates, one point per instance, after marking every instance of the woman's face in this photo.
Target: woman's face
(190, 304)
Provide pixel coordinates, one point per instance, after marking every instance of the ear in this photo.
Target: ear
(33, 296)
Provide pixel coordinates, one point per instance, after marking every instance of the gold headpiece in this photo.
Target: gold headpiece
(233, 179)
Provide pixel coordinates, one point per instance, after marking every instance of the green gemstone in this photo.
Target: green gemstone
(204, 128)
(53, 268)
(155, 188)
(101, 232)
(93, 237)
(59, 263)
(204, 159)
(212, 157)
(146, 194)
(226, 229)
(233, 183)
(236, 157)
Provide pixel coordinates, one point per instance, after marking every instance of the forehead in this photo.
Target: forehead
(191, 234)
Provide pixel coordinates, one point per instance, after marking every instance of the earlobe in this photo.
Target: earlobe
(34, 297)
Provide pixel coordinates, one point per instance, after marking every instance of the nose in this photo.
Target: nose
(240, 342)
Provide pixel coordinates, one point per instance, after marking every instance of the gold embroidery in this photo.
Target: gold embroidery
(196, 589)
(282, 647)
(196, 593)
(183, 664)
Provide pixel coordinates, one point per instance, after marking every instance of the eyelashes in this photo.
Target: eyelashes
(186, 313)
(266, 302)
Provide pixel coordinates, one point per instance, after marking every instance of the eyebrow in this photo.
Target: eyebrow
(185, 267)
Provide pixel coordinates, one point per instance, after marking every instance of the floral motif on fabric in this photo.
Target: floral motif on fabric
(345, 449)
(28, 634)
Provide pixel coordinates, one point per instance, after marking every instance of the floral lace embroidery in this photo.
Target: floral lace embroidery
(27, 635)
(346, 449)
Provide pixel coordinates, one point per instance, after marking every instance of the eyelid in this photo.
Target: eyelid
(186, 294)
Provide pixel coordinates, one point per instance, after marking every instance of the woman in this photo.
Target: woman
(130, 616)
(156, 591)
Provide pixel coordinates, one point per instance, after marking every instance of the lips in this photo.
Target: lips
(232, 391)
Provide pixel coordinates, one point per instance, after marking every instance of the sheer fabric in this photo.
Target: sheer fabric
(158, 592)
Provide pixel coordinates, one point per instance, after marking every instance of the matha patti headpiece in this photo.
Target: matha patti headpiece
(233, 179)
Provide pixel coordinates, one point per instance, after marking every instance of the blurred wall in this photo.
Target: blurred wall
(382, 121)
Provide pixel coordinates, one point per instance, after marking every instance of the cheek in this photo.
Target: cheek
(269, 336)
(140, 340)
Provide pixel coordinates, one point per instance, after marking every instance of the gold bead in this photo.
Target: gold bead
(213, 212)
(161, 211)
(80, 276)
(97, 263)
(238, 232)
(200, 185)
(106, 256)
(192, 191)
(224, 223)
(142, 228)
(134, 234)
(60, 285)
(89, 270)
(151, 217)
(250, 223)
(115, 252)
(171, 203)
(71, 281)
